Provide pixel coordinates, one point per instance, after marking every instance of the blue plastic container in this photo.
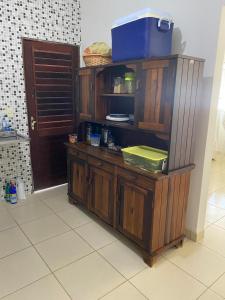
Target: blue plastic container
(145, 34)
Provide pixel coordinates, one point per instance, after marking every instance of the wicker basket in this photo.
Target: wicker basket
(96, 59)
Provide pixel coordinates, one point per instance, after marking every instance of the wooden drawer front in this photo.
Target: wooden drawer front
(139, 180)
(78, 154)
(100, 164)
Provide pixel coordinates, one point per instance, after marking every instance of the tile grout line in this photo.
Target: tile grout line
(47, 265)
(33, 246)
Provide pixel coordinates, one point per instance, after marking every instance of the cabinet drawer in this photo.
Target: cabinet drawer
(137, 179)
(100, 164)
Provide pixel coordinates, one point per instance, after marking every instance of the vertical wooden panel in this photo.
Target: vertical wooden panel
(197, 107)
(162, 223)
(191, 119)
(156, 216)
(181, 205)
(158, 104)
(187, 108)
(181, 112)
(170, 206)
(151, 90)
(188, 78)
(175, 208)
(186, 194)
(176, 106)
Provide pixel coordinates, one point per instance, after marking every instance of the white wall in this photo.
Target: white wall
(44, 20)
(198, 22)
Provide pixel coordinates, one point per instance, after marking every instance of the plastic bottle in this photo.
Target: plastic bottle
(20, 190)
(12, 192)
(7, 193)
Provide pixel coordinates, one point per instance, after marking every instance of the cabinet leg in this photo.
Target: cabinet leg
(179, 244)
(72, 201)
(150, 260)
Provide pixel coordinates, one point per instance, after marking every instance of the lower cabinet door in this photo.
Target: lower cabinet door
(101, 193)
(134, 210)
(77, 179)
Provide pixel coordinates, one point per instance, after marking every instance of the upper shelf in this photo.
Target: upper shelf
(117, 95)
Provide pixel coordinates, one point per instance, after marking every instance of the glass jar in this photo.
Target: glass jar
(130, 82)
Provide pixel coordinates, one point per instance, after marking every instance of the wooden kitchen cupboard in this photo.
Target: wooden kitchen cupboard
(149, 209)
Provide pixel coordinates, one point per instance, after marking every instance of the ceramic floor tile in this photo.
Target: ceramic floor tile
(215, 183)
(12, 240)
(29, 199)
(219, 286)
(19, 270)
(58, 203)
(209, 295)
(124, 259)
(44, 228)
(214, 239)
(89, 278)
(74, 217)
(95, 235)
(52, 192)
(218, 198)
(46, 288)
(221, 223)
(125, 292)
(6, 221)
(199, 261)
(166, 281)
(213, 213)
(30, 212)
(63, 249)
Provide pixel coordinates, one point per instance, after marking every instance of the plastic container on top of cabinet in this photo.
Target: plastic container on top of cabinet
(144, 34)
(147, 158)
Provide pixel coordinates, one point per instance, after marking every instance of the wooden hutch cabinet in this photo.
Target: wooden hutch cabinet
(147, 208)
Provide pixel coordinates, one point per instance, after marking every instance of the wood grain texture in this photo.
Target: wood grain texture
(50, 70)
(101, 193)
(187, 89)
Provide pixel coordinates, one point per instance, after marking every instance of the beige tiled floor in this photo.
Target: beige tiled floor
(51, 250)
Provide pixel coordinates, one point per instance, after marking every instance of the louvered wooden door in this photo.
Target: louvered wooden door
(153, 106)
(50, 72)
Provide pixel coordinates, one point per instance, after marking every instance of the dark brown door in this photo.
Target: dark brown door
(101, 194)
(154, 109)
(77, 179)
(50, 70)
(134, 211)
(86, 94)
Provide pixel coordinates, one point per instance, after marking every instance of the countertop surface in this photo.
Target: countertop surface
(115, 159)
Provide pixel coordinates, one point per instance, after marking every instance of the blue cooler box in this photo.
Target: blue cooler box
(145, 34)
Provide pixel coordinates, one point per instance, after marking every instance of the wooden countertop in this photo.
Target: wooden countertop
(117, 159)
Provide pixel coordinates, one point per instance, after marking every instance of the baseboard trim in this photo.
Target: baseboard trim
(196, 237)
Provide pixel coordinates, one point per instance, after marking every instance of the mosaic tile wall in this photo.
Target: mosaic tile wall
(52, 20)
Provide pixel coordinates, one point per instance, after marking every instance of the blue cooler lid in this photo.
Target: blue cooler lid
(144, 13)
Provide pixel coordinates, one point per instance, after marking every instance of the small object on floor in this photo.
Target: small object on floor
(12, 192)
(20, 190)
(7, 186)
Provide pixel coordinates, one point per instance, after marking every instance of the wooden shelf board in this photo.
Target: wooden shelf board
(117, 95)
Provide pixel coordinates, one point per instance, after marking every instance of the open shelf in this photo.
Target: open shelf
(117, 95)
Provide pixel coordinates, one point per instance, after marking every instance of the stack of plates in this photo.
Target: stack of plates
(118, 117)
